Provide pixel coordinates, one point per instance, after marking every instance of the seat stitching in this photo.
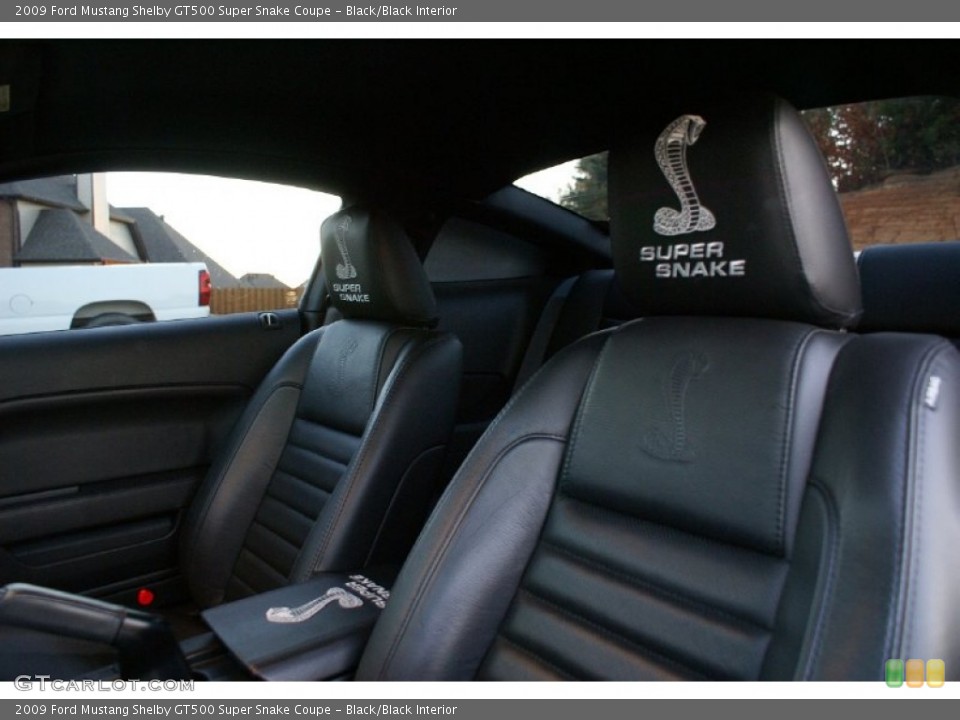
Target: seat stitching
(366, 447)
(536, 656)
(658, 528)
(917, 477)
(798, 352)
(447, 540)
(616, 637)
(834, 531)
(659, 590)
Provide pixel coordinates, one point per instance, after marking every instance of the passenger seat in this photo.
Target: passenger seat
(330, 467)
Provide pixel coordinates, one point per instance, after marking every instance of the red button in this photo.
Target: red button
(145, 597)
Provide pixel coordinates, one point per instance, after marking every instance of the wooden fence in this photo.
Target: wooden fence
(224, 301)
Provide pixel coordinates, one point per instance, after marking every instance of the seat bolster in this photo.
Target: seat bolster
(399, 452)
(458, 582)
(888, 577)
(221, 512)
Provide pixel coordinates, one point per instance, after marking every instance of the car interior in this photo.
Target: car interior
(699, 438)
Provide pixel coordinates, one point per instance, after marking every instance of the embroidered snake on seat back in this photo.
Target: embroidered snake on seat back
(671, 153)
(345, 270)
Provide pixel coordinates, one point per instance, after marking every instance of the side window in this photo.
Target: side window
(91, 250)
(896, 166)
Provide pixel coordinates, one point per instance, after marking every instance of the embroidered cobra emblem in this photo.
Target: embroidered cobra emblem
(669, 441)
(345, 270)
(304, 612)
(671, 153)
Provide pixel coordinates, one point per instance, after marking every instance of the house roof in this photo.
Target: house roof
(261, 280)
(162, 243)
(58, 192)
(59, 235)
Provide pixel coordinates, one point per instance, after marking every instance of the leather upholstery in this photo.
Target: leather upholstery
(332, 462)
(703, 497)
(778, 247)
(371, 269)
(911, 288)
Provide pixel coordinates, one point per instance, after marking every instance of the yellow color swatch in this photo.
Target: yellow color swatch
(914, 673)
(936, 673)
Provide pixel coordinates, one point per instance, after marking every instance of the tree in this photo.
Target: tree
(865, 143)
(587, 194)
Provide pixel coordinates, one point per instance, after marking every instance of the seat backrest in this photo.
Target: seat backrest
(913, 287)
(331, 465)
(729, 488)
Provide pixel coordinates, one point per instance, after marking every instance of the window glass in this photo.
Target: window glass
(118, 248)
(578, 185)
(896, 165)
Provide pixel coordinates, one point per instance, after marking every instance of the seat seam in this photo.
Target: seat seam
(786, 200)
(657, 590)
(523, 650)
(799, 350)
(667, 529)
(834, 532)
(447, 540)
(366, 446)
(205, 511)
(916, 478)
(615, 637)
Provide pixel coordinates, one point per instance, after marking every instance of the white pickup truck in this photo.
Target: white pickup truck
(34, 299)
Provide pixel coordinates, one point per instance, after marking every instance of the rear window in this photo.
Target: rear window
(895, 164)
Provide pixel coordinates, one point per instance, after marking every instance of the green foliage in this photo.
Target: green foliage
(587, 194)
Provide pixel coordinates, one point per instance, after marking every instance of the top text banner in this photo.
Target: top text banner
(739, 11)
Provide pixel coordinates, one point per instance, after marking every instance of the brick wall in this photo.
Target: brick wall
(906, 208)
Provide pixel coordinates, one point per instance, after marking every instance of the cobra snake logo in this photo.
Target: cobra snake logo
(671, 153)
(669, 440)
(345, 270)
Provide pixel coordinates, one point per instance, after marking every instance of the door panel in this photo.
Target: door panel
(104, 437)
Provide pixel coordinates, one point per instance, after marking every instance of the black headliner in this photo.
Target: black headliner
(399, 117)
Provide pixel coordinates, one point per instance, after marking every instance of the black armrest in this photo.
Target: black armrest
(315, 630)
(146, 646)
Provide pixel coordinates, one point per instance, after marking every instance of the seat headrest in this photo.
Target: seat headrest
(372, 271)
(911, 288)
(728, 209)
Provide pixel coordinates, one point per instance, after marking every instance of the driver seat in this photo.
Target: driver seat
(732, 487)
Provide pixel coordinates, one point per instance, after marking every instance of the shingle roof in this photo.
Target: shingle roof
(261, 280)
(162, 243)
(60, 191)
(55, 191)
(60, 235)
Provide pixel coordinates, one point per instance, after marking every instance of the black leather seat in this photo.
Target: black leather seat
(351, 423)
(730, 488)
(332, 465)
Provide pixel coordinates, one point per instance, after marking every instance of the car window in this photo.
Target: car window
(579, 185)
(895, 164)
(90, 250)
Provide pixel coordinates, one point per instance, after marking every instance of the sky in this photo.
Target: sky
(255, 227)
(246, 226)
